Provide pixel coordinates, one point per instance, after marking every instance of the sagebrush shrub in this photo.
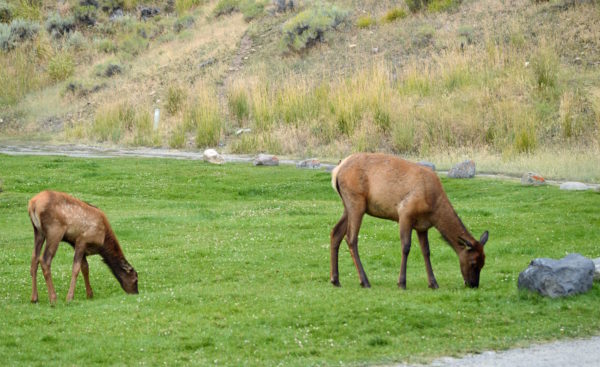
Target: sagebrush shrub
(310, 26)
(6, 12)
(225, 7)
(187, 21)
(58, 26)
(17, 32)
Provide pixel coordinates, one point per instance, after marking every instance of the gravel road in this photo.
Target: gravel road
(579, 352)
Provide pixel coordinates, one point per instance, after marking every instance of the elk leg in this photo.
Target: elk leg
(35, 261)
(337, 235)
(405, 234)
(85, 269)
(52, 241)
(424, 242)
(354, 222)
(77, 260)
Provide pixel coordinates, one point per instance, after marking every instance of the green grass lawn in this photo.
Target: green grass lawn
(233, 265)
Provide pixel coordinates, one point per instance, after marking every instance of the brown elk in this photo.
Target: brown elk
(58, 217)
(385, 186)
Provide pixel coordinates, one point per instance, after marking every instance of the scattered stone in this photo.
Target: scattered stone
(266, 160)
(573, 274)
(312, 163)
(596, 261)
(427, 164)
(147, 12)
(212, 156)
(532, 179)
(242, 131)
(375, 50)
(573, 186)
(464, 169)
(206, 63)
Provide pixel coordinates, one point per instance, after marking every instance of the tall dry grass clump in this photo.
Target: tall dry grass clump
(121, 123)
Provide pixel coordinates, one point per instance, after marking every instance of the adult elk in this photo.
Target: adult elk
(388, 187)
(58, 217)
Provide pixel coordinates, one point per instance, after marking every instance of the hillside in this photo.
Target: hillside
(514, 84)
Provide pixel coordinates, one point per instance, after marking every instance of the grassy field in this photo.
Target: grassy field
(233, 266)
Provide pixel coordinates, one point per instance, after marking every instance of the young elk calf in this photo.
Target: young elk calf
(388, 187)
(57, 217)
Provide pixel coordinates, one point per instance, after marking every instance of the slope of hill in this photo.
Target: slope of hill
(514, 83)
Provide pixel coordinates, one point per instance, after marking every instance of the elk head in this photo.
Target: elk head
(472, 259)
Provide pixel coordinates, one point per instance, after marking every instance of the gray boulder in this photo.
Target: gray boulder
(532, 179)
(596, 261)
(266, 160)
(570, 275)
(464, 169)
(427, 164)
(312, 163)
(212, 156)
(573, 186)
(283, 5)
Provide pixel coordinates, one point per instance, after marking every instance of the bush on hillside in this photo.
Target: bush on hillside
(251, 9)
(17, 32)
(58, 26)
(85, 14)
(225, 7)
(394, 15)
(187, 21)
(6, 12)
(61, 67)
(311, 25)
(366, 21)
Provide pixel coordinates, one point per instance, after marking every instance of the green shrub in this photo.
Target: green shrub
(311, 25)
(106, 45)
(133, 44)
(545, 69)
(225, 7)
(175, 98)
(251, 9)
(366, 21)
(28, 9)
(109, 6)
(6, 42)
(58, 26)
(17, 32)
(6, 12)
(187, 21)
(85, 14)
(416, 5)
(108, 69)
(394, 15)
(423, 36)
(77, 41)
(177, 138)
(239, 105)
(207, 123)
(184, 5)
(438, 6)
(61, 66)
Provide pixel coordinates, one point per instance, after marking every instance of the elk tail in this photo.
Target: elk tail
(35, 219)
(334, 174)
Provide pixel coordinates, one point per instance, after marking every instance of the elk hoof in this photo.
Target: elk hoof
(336, 283)
(402, 286)
(365, 285)
(34, 300)
(434, 286)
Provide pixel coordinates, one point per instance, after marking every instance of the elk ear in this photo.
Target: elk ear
(465, 242)
(484, 238)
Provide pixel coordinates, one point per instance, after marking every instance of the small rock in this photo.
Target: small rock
(573, 186)
(242, 131)
(596, 261)
(573, 274)
(266, 160)
(212, 156)
(464, 169)
(375, 50)
(352, 45)
(532, 179)
(312, 163)
(427, 164)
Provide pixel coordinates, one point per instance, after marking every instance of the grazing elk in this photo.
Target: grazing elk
(58, 217)
(388, 187)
